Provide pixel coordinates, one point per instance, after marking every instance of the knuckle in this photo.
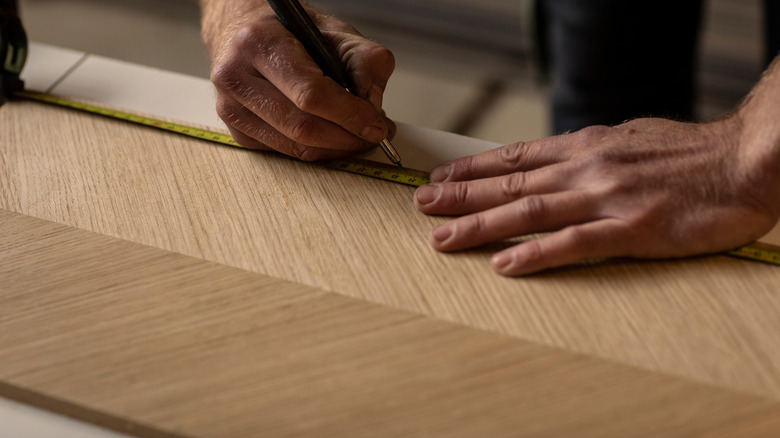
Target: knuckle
(533, 252)
(225, 111)
(387, 56)
(459, 193)
(382, 57)
(593, 133)
(261, 38)
(579, 243)
(513, 156)
(245, 36)
(304, 153)
(224, 74)
(532, 209)
(475, 225)
(360, 51)
(574, 236)
(307, 96)
(513, 185)
(299, 128)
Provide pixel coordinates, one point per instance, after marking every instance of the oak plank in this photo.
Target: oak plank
(707, 319)
(159, 344)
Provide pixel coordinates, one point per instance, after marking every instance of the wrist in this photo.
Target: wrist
(759, 136)
(758, 116)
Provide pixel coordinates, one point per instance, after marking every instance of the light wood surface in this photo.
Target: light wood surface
(361, 237)
(159, 344)
(708, 323)
(773, 238)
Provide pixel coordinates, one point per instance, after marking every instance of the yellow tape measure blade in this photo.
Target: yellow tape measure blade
(178, 128)
(758, 251)
(385, 172)
(361, 167)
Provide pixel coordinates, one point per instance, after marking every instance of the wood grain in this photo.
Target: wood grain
(710, 319)
(163, 345)
(773, 237)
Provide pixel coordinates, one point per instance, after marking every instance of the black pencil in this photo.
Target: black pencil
(299, 23)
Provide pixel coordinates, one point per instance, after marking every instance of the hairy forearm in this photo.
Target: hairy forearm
(759, 117)
(760, 112)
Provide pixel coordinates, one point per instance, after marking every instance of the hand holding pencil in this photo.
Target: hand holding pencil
(273, 95)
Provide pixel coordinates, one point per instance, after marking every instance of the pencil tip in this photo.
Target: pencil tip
(400, 165)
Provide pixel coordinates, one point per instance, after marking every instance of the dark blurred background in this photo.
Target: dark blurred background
(462, 65)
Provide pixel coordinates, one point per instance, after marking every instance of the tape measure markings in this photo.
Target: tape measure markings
(378, 170)
(758, 251)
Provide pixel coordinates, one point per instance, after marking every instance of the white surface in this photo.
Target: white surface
(425, 148)
(142, 89)
(46, 64)
(18, 420)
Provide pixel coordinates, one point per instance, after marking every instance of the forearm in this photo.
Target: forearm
(760, 135)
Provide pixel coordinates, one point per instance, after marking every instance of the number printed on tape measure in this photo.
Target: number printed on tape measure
(377, 170)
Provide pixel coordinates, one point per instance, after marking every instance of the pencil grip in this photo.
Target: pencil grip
(292, 15)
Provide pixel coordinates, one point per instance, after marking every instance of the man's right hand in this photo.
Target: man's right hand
(272, 95)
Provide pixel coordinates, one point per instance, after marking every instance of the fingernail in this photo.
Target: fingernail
(440, 174)
(442, 233)
(501, 261)
(375, 97)
(428, 193)
(372, 134)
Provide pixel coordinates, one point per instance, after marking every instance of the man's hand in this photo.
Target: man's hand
(272, 95)
(650, 188)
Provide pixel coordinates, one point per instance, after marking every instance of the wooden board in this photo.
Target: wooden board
(159, 344)
(712, 319)
(707, 323)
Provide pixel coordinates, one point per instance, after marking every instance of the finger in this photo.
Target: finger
(577, 243)
(521, 156)
(252, 132)
(240, 118)
(304, 84)
(370, 66)
(247, 141)
(461, 197)
(531, 214)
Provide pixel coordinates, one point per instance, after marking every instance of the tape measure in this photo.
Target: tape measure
(361, 167)
(756, 251)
